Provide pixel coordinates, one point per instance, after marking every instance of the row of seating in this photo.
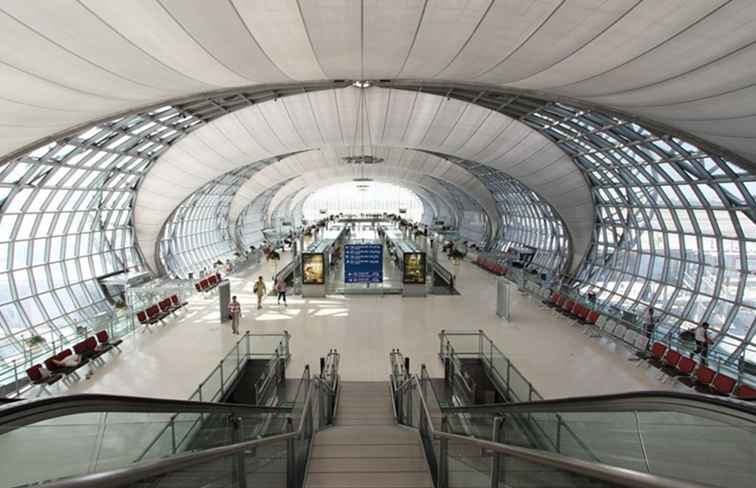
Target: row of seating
(669, 361)
(627, 335)
(491, 265)
(675, 364)
(158, 311)
(208, 283)
(573, 309)
(89, 351)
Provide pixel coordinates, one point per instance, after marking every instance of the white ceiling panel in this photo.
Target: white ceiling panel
(689, 64)
(666, 60)
(406, 118)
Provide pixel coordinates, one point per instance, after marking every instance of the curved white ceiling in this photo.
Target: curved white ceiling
(293, 194)
(327, 119)
(427, 187)
(688, 63)
(401, 164)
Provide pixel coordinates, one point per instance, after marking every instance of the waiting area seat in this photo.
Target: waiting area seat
(208, 283)
(672, 362)
(60, 366)
(491, 265)
(156, 312)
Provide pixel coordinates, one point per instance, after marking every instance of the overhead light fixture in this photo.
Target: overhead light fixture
(362, 159)
(361, 150)
(362, 179)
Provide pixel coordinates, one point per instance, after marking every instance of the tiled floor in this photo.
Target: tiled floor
(558, 359)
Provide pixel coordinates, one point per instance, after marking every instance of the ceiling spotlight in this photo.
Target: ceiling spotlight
(361, 84)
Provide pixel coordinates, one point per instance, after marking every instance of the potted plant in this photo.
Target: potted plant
(35, 342)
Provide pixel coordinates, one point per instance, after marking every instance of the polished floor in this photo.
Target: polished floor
(558, 359)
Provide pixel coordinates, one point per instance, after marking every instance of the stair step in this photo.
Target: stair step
(366, 449)
(369, 480)
(365, 421)
(359, 465)
(371, 452)
(368, 435)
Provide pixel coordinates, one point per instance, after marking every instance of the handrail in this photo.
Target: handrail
(442, 271)
(604, 472)
(128, 475)
(288, 268)
(613, 474)
(136, 472)
(17, 414)
(738, 413)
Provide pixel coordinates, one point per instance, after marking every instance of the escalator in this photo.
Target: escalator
(670, 435)
(650, 439)
(107, 440)
(74, 435)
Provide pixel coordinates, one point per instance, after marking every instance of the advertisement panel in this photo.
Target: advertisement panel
(363, 263)
(414, 268)
(313, 269)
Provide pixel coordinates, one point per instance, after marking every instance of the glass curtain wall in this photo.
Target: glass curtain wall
(251, 221)
(198, 234)
(676, 225)
(526, 219)
(66, 219)
(471, 221)
(362, 198)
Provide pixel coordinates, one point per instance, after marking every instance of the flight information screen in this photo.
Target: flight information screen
(363, 263)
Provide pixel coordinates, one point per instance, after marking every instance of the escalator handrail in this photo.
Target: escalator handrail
(26, 412)
(605, 472)
(137, 472)
(140, 471)
(701, 405)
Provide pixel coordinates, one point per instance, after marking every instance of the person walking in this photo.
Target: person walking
(260, 291)
(234, 311)
(281, 289)
(702, 341)
(649, 323)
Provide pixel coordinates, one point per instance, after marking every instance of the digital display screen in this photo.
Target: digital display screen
(363, 263)
(414, 268)
(313, 269)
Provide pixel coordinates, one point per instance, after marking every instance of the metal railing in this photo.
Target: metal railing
(331, 383)
(457, 345)
(215, 385)
(444, 273)
(90, 425)
(236, 462)
(511, 383)
(286, 270)
(496, 458)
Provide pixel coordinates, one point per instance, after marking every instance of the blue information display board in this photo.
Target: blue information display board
(363, 263)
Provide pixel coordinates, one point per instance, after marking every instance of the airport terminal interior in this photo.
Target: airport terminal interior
(377, 243)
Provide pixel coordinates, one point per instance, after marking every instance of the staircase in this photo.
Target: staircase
(366, 448)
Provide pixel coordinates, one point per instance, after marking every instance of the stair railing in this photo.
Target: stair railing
(415, 413)
(236, 462)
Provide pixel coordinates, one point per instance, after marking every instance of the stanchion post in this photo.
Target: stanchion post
(496, 464)
(443, 461)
